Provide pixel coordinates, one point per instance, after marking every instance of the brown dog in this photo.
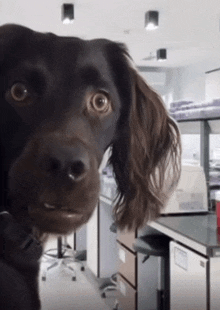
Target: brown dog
(64, 101)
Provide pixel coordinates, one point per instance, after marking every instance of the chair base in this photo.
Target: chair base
(61, 259)
(109, 285)
(64, 263)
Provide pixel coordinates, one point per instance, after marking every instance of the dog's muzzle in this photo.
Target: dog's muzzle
(57, 182)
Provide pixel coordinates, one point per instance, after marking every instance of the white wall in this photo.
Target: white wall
(193, 83)
(187, 83)
(183, 83)
(92, 243)
(162, 81)
(212, 85)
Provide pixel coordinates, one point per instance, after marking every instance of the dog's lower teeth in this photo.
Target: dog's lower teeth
(49, 206)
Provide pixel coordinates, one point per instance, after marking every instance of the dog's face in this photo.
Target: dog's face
(60, 107)
(64, 101)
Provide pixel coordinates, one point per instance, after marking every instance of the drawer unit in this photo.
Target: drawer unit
(127, 270)
(127, 238)
(127, 264)
(127, 295)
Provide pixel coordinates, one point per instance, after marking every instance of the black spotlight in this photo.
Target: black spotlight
(67, 13)
(151, 20)
(161, 54)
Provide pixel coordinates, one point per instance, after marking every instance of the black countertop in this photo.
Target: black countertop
(198, 232)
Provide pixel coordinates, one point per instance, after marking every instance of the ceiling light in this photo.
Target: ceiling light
(67, 13)
(151, 20)
(162, 54)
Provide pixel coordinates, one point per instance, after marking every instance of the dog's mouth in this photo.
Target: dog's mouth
(67, 211)
(60, 217)
(51, 219)
(53, 211)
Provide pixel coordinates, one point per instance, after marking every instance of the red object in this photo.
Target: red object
(218, 213)
(218, 233)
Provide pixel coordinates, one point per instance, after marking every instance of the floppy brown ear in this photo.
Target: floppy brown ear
(147, 166)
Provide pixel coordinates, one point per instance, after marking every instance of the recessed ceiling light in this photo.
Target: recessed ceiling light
(162, 54)
(151, 20)
(67, 13)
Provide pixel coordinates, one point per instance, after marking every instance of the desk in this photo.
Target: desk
(199, 234)
(195, 231)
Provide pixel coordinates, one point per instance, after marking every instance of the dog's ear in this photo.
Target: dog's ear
(146, 158)
(11, 37)
(8, 35)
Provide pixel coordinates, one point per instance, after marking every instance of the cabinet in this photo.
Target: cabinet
(188, 279)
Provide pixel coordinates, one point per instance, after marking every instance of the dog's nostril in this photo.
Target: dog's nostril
(54, 165)
(76, 170)
(50, 164)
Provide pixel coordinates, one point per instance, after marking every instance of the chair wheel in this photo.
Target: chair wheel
(82, 268)
(116, 306)
(103, 295)
(43, 278)
(73, 278)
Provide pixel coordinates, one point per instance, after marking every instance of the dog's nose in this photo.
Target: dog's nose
(70, 162)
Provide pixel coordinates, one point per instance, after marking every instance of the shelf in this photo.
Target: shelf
(194, 126)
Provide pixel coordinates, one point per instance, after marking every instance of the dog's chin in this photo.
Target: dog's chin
(56, 221)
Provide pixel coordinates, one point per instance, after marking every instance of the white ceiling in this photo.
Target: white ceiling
(189, 29)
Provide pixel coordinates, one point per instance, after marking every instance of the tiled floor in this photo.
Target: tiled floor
(59, 292)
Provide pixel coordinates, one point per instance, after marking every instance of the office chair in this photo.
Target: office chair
(61, 258)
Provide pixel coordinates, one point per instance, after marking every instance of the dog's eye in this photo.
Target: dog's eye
(100, 102)
(19, 92)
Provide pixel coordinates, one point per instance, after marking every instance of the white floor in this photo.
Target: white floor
(59, 292)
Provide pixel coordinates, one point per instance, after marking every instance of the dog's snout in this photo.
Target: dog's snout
(70, 162)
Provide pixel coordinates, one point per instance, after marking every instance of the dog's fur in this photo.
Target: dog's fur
(53, 140)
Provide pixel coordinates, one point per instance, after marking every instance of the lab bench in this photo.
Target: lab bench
(194, 265)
